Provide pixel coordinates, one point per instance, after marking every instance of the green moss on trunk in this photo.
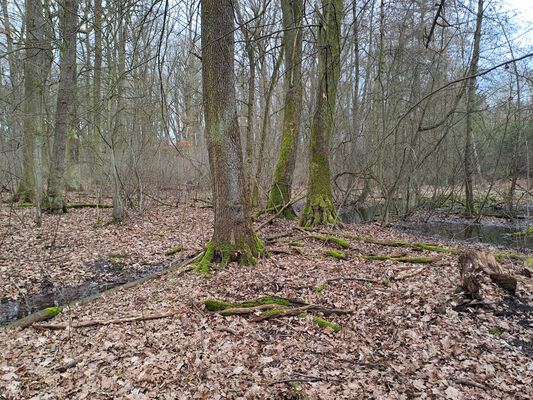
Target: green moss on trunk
(222, 253)
(318, 212)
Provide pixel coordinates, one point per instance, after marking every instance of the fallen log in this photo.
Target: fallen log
(96, 322)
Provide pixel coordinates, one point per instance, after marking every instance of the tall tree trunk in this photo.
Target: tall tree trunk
(120, 120)
(250, 52)
(33, 105)
(69, 26)
(233, 237)
(319, 208)
(470, 107)
(292, 43)
(97, 87)
(264, 128)
(14, 98)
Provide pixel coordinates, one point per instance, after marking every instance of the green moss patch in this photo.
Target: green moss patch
(323, 324)
(176, 250)
(53, 311)
(296, 244)
(332, 239)
(337, 254)
(116, 255)
(319, 289)
(508, 255)
(216, 305)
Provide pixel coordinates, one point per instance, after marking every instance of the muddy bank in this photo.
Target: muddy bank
(12, 310)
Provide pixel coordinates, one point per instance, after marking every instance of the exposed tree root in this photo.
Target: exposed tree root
(274, 307)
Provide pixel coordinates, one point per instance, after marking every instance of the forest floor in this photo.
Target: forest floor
(405, 336)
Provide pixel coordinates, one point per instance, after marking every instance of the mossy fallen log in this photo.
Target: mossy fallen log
(38, 316)
(273, 307)
(176, 250)
(89, 323)
(216, 305)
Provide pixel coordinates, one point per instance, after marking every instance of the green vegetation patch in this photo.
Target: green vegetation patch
(271, 312)
(24, 205)
(332, 239)
(176, 250)
(296, 244)
(508, 255)
(319, 289)
(116, 255)
(528, 232)
(53, 311)
(435, 248)
(495, 331)
(323, 324)
(337, 254)
(216, 305)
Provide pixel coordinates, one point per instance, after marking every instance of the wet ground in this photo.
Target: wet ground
(496, 234)
(12, 310)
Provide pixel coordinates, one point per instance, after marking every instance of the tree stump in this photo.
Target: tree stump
(475, 266)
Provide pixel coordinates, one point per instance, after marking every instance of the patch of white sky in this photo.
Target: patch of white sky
(522, 14)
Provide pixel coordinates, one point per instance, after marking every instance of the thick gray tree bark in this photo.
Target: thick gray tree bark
(32, 129)
(65, 96)
(233, 237)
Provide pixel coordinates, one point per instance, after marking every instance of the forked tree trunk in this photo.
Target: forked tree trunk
(69, 27)
(319, 208)
(233, 237)
(292, 42)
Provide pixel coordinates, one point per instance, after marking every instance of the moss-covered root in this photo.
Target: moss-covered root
(337, 254)
(332, 239)
(320, 211)
(222, 253)
(216, 305)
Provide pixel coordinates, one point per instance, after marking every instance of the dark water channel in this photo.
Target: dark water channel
(499, 234)
(12, 310)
